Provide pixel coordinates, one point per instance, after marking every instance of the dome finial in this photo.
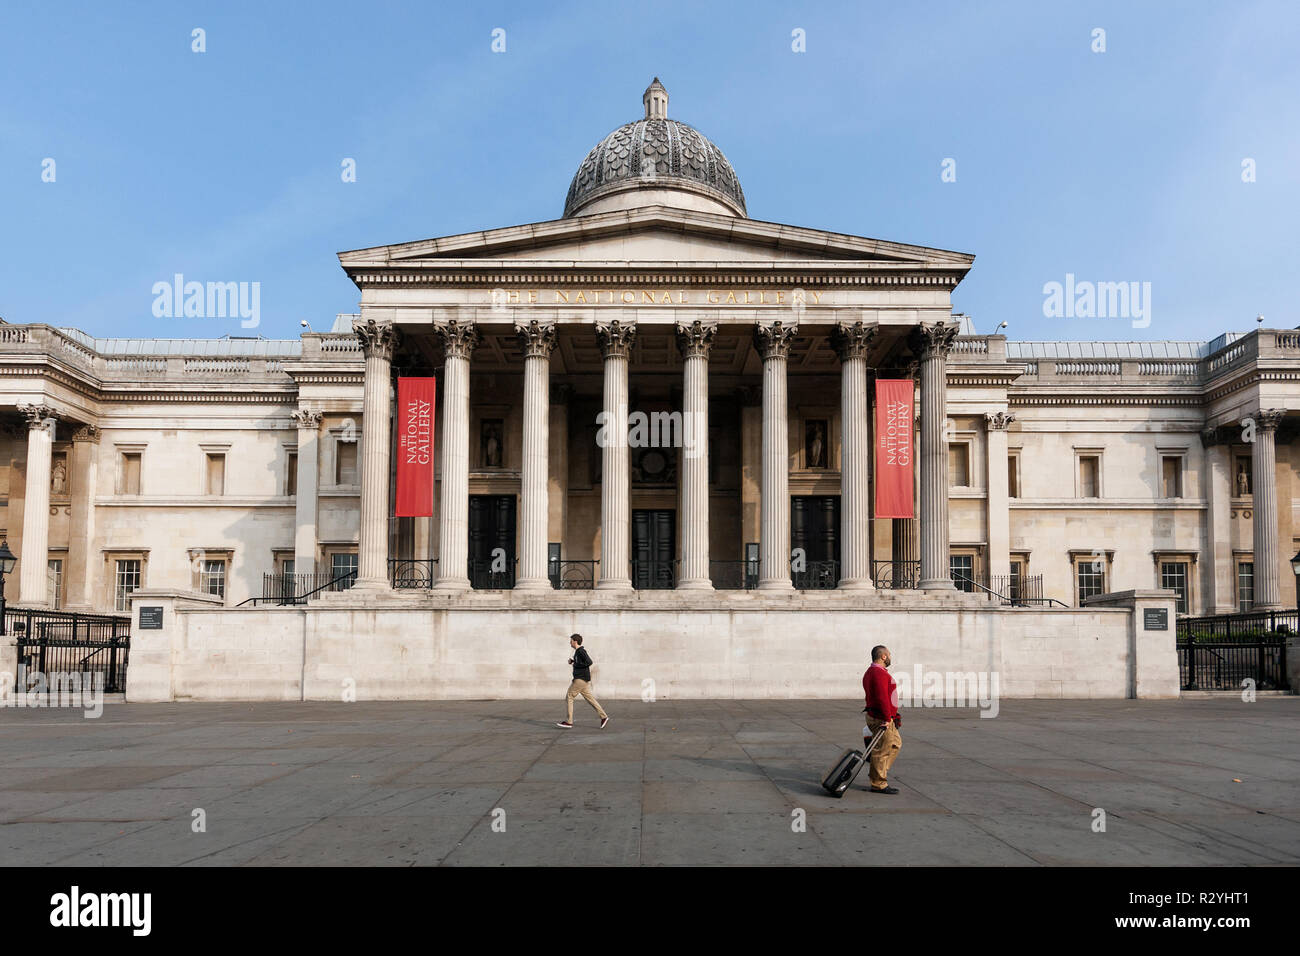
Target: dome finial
(655, 99)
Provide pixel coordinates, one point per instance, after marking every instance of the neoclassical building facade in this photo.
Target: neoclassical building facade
(653, 392)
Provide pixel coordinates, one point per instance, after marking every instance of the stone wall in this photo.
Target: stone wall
(733, 649)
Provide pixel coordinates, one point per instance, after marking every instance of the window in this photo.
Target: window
(129, 474)
(291, 474)
(215, 482)
(125, 580)
(56, 583)
(1089, 576)
(958, 464)
(345, 463)
(1089, 476)
(961, 567)
(1013, 475)
(1173, 575)
(1016, 583)
(343, 563)
(1245, 585)
(1171, 476)
(212, 579)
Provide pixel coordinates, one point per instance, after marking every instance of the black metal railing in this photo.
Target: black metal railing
(412, 573)
(816, 576)
(734, 575)
(54, 644)
(654, 575)
(488, 574)
(569, 575)
(1222, 651)
(896, 575)
(291, 589)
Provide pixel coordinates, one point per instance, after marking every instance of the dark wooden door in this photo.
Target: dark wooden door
(492, 527)
(654, 547)
(815, 527)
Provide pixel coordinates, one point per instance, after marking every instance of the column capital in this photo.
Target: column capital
(1267, 419)
(1209, 436)
(536, 338)
(377, 338)
(696, 338)
(773, 339)
(306, 418)
(459, 339)
(39, 417)
(998, 421)
(89, 433)
(852, 340)
(615, 338)
(933, 340)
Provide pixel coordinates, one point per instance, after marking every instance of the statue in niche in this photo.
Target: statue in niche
(492, 443)
(59, 478)
(816, 448)
(1243, 481)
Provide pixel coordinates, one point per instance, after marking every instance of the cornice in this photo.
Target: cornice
(418, 275)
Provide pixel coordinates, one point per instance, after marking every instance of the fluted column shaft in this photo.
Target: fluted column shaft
(852, 342)
(33, 577)
(615, 340)
(998, 503)
(773, 340)
(459, 341)
(1264, 479)
(934, 342)
(378, 339)
(538, 340)
(306, 491)
(695, 340)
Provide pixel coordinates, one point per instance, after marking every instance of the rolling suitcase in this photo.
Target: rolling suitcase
(848, 767)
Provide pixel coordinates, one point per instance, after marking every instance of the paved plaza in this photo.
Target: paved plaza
(1191, 782)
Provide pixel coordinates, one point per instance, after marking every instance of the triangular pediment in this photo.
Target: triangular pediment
(652, 235)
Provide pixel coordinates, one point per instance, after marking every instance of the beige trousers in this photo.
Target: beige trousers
(583, 688)
(882, 758)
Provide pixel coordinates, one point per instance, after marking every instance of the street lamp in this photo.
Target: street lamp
(7, 561)
(1295, 569)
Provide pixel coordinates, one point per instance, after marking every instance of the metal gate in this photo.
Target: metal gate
(1219, 652)
(54, 645)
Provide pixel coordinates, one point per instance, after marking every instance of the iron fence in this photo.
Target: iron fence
(896, 575)
(816, 576)
(412, 573)
(58, 643)
(573, 575)
(289, 589)
(734, 575)
(1221, 651)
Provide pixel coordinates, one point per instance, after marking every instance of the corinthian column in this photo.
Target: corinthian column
(615, 340)
(851, 344)
(378, 339)
(694, 342)
(1264, 479)
(305, 494)
(998, 504)
(538, 340)
(33, 577)
(932, 343)
(458, 342)
(773, 340)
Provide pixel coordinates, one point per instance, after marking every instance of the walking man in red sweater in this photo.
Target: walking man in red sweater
(882, 717)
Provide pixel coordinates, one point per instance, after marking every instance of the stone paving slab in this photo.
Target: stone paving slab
(1196, 782)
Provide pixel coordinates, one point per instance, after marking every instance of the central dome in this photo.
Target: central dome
(655, 160)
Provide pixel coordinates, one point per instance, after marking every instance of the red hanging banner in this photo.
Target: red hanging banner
(415, 398)
(894, 451)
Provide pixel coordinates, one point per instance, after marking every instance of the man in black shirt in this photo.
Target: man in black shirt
(581, 662)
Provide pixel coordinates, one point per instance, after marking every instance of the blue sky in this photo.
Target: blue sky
(225, 166)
